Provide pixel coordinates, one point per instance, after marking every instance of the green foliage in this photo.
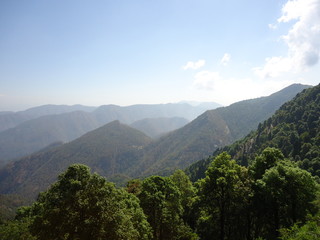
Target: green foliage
(294, 129)
(188, 197)
(286, 192)
(309, 231)
(211, 130)
(224, 195)
(8, 206)
(84, 206)
(16, 230)
(237, 203)
(161, 201)
(267, 159)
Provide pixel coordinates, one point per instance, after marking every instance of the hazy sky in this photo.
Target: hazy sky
(154, 51)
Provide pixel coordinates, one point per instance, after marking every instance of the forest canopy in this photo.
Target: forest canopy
(271, 198)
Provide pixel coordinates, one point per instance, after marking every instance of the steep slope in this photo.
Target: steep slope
(211, 130)
(294, 129)
(156, 127)
(109, 150)
(118, 149)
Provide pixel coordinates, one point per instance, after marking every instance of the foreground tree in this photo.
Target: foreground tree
(224, 194)
(81, 205)
(288, 193)
(309, 231)
(16, 229)
(161, 201)
(188, 194)
(283, 193)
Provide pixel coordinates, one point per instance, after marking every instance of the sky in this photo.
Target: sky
(148, 52)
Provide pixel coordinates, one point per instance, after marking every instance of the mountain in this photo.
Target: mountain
(211, 130)
(12, 119)
(130, 114)
(294, 129)
(33, 135)
(110, 150)
(156, 127)
(118, 151)
(204, 105)
(62, 125)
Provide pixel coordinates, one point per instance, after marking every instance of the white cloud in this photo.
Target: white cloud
(272, 26)
(206, 80)
(194, 65)
(225, 59)
(303, 39)
(274, 67)
(230, 90)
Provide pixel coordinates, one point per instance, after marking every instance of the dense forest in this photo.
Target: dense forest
(272, 198)
(294, 129)
(265, 186)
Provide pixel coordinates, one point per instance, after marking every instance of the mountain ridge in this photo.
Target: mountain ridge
(117, 149)
(294, 129)
(211, 130)
(34, 134)
(110, 149)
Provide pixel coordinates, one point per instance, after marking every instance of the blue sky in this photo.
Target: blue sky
(130, 52)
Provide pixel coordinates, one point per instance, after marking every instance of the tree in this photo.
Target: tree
(187, 190)
(224, 198)
(81, 205)
(161, 201)
(287, 193)
(309, 231)
(267, 159)
(16, 229)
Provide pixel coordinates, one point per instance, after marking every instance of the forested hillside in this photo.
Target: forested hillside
(257, 192)
(265, 201)
(119, 152)
(111, 150)
(210, 131)
(294, 129)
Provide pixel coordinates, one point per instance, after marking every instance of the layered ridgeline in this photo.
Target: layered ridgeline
(107, 150)
(36, 130)
(12, 119)
(156, 127)
(294, 129)
(110, 151)
(211, 130)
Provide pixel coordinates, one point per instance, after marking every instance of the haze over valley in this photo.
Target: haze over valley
(160, 120)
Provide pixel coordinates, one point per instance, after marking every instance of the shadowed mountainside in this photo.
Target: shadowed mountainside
(109, 150)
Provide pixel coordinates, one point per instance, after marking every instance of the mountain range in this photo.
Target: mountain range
(32, 130)
(294, 129)
(211, 130)
(12, 119)
(118, 151)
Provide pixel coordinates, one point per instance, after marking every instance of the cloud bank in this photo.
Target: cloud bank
(302, 39)
(229, 90)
